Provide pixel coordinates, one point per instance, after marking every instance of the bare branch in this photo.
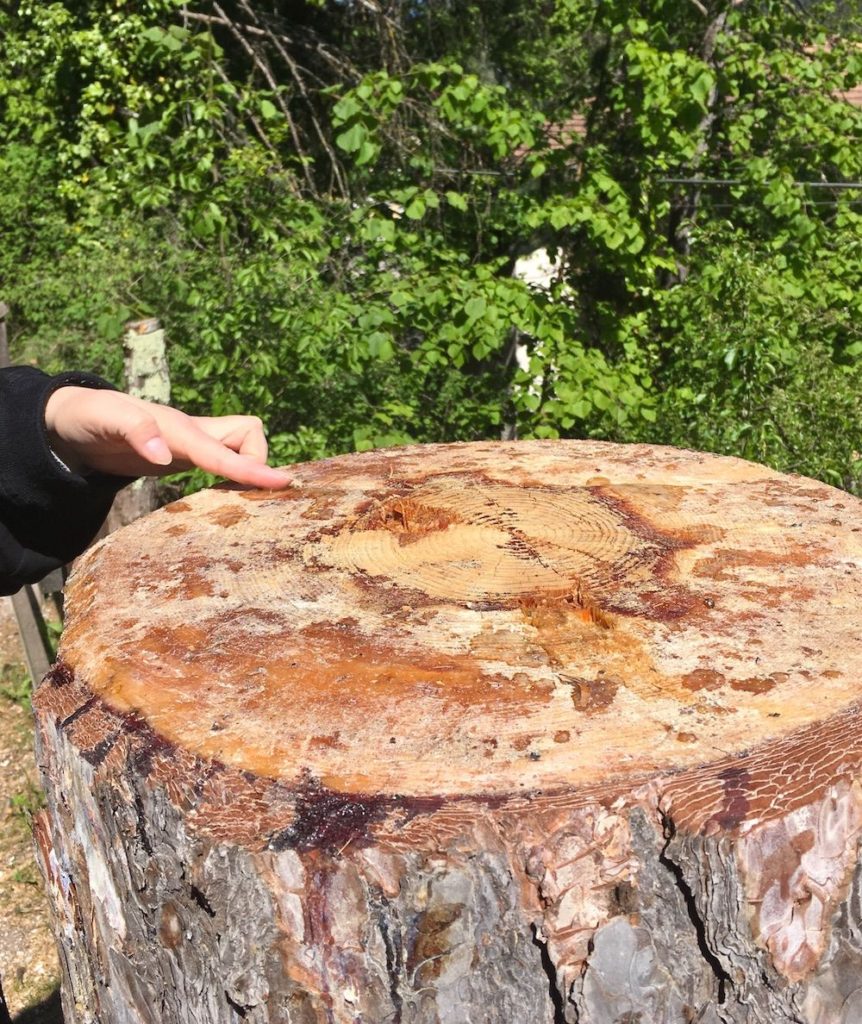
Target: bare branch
(258, 127)
(300, 84)
(253, 28)
(333, 60)
(211, 19)
(265, 70)
(687, 204)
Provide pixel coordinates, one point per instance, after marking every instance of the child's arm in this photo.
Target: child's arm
(109, 432)
(69, 443)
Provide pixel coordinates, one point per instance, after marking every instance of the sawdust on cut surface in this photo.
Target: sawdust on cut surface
(28, 958)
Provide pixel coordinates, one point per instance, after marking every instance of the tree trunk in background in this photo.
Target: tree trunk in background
(147, 377)
(495, 733)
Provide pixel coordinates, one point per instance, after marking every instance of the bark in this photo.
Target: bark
(504, 733)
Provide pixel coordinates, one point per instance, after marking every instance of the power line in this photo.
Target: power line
(735, 206)
(721, 182)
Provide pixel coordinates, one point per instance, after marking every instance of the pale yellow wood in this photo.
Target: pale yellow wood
(481, 619)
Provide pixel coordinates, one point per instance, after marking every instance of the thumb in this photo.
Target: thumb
(143, 436)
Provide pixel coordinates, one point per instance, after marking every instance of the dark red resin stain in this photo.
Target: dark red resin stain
(330, 821)
(736, 784)
(60, 675)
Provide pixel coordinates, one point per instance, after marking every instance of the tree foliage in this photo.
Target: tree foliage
(325, 200)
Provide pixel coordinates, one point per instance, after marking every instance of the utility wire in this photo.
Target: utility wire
(721, 182)
(735, 206)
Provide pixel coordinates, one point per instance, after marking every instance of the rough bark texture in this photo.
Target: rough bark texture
(502, 734)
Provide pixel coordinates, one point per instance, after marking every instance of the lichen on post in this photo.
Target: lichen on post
(503, 733)
(146, 373)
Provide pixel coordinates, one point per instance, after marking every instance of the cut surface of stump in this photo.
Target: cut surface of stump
(541, 731)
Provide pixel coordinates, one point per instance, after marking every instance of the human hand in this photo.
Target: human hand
(110, 432)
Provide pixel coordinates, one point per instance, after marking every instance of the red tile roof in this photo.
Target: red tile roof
(562, 133)
(853, 95)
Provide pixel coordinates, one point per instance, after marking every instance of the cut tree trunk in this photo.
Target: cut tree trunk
(471, 734)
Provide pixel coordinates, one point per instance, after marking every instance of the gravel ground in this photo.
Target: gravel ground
(28, 959)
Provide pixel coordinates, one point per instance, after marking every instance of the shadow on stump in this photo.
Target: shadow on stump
(49, 1011)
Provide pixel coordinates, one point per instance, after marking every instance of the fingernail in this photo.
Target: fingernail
(284, 480)
(158, 452)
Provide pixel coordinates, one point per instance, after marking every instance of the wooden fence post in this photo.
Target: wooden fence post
(4, 342)
(147, 377)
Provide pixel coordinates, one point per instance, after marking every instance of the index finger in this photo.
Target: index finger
(243, 434)
(214, 457)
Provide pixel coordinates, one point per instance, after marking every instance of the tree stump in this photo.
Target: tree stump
(467, 734)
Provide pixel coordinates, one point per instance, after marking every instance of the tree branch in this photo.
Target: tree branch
(276, 41)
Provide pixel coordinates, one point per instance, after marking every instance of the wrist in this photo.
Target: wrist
(57, 417)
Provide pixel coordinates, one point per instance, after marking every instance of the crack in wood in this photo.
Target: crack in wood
(393, 950)
(202, 901)
(551, 973)
(723, 979)
(238, 1008)
(141, 815)
(78, 712)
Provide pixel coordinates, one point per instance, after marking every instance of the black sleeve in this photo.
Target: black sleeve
(48, 514)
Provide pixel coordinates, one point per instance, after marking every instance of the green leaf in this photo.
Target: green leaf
(352, 139)
(380, 346)
(368, 151)
(475, 307)
(174, 39)
(170, 42)
(415, 209)
(378, 229)
(345, 109)
(701, 86)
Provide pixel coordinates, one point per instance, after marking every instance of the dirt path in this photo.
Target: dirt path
(28, 960)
